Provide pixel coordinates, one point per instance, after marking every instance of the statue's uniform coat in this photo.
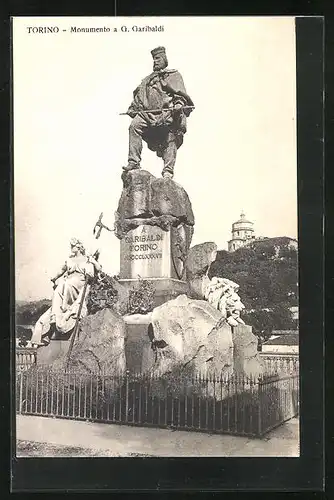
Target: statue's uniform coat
(162, 131)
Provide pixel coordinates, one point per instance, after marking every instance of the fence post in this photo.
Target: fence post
(21, 392)
(259, 384)
(126, 395)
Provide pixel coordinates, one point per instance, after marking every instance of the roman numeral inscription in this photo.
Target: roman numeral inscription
(145, 251)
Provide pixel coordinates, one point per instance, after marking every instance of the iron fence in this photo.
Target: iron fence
(234, 405)
(273, 363)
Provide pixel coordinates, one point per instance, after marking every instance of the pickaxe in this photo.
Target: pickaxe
(99, 226)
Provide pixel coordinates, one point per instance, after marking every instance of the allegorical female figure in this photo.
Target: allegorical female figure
(68, 290)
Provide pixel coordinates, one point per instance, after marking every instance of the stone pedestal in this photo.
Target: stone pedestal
(138, 352)
(57, 349)
(146, 253)
(154, 222)
(165, 288)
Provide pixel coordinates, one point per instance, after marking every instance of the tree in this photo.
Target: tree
(267, 273)
(265, 321)
(27, 313)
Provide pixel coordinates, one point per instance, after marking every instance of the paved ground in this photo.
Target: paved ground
(34, 449)
(121, 440)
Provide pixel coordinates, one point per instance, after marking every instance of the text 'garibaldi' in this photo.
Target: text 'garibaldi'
(159, 112)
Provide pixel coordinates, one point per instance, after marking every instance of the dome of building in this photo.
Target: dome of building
(242, 233)
(242, 220)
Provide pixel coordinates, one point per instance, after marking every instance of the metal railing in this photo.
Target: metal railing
(25, 357)
(280, 363)
(233, 405)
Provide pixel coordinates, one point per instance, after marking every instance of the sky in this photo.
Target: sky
(70, 142)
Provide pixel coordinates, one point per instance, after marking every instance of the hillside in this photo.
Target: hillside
(267, 273)
(27, 313)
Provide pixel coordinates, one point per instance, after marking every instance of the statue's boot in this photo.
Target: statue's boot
(167, 175)
(127, 169)
(45, 340)
(130, 166)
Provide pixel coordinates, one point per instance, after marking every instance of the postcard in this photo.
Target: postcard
(156, 237)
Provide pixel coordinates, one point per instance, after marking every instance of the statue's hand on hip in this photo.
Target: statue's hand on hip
(131, 113)
(177, 108)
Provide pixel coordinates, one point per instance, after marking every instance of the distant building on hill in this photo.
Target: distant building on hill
(243, 234)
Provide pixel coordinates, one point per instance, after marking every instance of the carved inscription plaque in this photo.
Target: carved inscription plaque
(145, 252)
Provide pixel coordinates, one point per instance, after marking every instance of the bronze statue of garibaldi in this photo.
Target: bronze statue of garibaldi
(159, 112)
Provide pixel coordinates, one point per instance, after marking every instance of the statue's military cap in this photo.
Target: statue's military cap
(158, 50)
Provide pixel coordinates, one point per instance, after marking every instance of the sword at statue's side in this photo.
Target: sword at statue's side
(161, 110)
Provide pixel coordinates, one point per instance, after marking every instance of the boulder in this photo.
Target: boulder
(246, 358)
(198, 262)
(135, 199)
(193, 337)
(200, 258)
(148, 200)
(99, 345)
(169, 198)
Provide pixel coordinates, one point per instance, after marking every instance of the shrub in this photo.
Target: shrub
(141, 297)
(103, 293)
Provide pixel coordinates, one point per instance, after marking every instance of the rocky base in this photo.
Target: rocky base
(192, 336)
(198, 262)
(98, 347)
(246, 358)
(147, 200)
(181, 336)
